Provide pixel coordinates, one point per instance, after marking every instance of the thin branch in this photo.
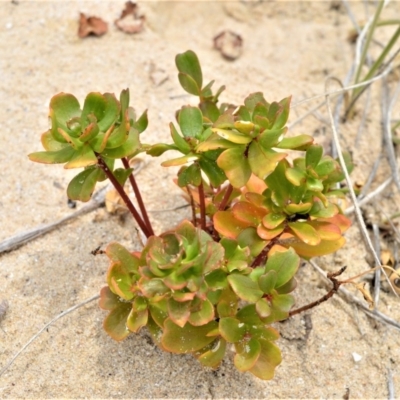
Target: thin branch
(375, 314)
(124, 196)
(336, 285)
(34, 337)
(202, 206)
(359, 216)
(225, 200)
(138, 195)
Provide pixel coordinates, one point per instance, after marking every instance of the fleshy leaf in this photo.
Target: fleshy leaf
(227, 225)
(82, 186)
(248, 356)
(305, 232)
(188, 63)
(204, 315)
(137, 320)
(53, 157)
(187, 339)
(118, 253)
(300, 142)
(179, 312)
(115, 322)
(235, 165)
(245, 288)
(267, 281)
(191, 121)
(233, 136)
(313, 155)
(213, 357)
(268, 359)
(285, 264)
(231, 329)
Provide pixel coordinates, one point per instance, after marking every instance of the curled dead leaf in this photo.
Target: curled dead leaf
(130, 20)
(366, 294)
(229, 44)
(395, 281)
(91, 26)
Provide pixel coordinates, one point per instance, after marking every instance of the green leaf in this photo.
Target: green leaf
(263, 308)
(115, 322)
(120, 281)
(122, 174)
(137, 320)
(268, 359)
(245, 288)
(108, 300)
(187, 339)
(213, 357)
(296, 176)
(248, 238)
(95, 104)
(313, 155)
(117, 137)
(272, 220)
(111, 112)
(178, 311)
(189, 175)
(248, 356)
(191, 121)
(300, 142)
(83, 157)
(204, 315)
(216, 279)
(82, 186)
(118, 253)
(233, 136)
(64, 106)
(271, 138)
(285, 264)
(179, 141)
(235, 165)
(283, 114)
(263, 161)
(214, 173)
(326, 166)
(188, 63)
(50, 144)
(209, 110)
(53, 157)
(141, 124)
(231, 329)
(268, 281)
(180, 160)
(130, 147)
(189, 84)
(253, 99)
(314, 185)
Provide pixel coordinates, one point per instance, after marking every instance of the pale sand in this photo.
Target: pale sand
(289, 48)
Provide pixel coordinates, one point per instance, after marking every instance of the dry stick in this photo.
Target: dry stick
(138, 196)
(387, 133)
(375, 314)
(377, 278)
(359, 216)
(24, 237)
(34, 337)
(123, 195)
(370, 196)
(392, 394)
(371, 177)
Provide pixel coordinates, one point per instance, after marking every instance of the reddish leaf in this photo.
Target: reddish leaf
(130, 20)
(91, 26)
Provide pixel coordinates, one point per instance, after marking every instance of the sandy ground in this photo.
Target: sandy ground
(289, 48)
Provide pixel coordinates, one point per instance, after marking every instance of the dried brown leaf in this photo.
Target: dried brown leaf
(229, 44)
(91, 26)
(130, 20)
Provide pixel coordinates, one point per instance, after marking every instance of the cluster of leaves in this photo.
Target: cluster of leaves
(226, 276)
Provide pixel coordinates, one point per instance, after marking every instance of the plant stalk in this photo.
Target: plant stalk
(225, 200)
(124, 196)
(202, 206)
(138, 195)
(336, 285)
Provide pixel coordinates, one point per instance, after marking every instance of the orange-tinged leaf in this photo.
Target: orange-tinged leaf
(248, 213)
(227, 225)
(213, 357)
(115, 322)
(326, 231)
(248, 356)
(305, 232)
(339, 220)
(268, 234)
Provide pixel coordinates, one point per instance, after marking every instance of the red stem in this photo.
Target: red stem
(138, 196)
(225, 200)
(123, 195)
(202, 207)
